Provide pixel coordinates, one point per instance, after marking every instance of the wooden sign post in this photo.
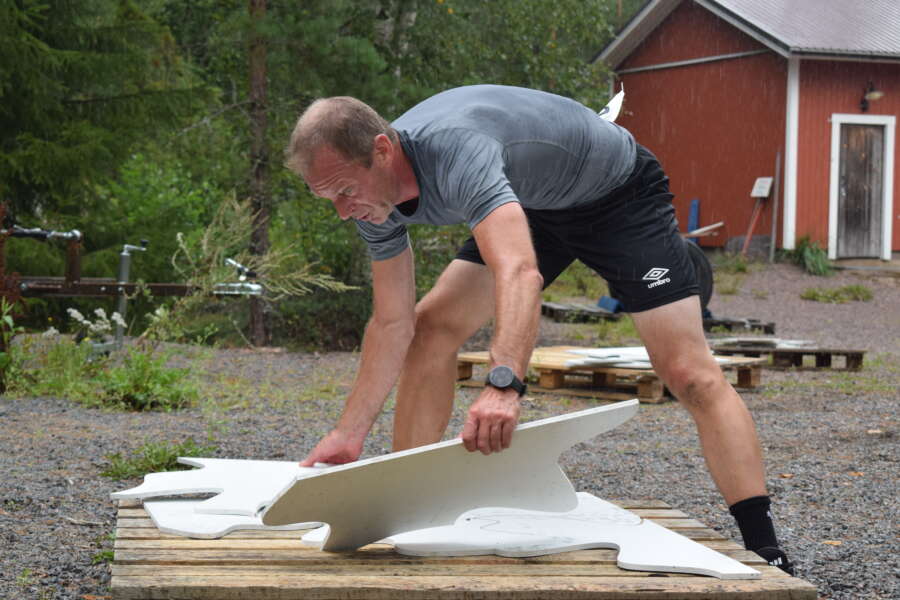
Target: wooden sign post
(761, 190)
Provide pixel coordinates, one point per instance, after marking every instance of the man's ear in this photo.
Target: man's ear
(383, 149)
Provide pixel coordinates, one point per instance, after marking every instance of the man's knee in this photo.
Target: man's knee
(437, 328)
(696, 387)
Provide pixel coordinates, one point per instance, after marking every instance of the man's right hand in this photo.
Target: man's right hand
(336, 448)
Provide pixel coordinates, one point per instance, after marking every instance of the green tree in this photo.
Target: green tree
(80, 84)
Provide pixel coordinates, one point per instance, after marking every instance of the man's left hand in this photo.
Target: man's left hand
(491, 421)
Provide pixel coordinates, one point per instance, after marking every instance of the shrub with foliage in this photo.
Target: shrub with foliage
(138, 379)
(810, 256)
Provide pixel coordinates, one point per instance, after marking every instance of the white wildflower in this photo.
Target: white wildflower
(99, 327)
(100, 313)
(75, 315)
(117, 319)
(51, 332)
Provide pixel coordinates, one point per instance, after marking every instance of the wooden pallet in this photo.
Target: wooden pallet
(739, 325)
(274, 565)
(559, 373)
(793, 357)
(576, 313)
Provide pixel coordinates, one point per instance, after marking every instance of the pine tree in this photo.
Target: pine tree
(81, 83)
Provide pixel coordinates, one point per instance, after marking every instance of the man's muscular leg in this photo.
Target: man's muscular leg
(673, 335)
(460, 302)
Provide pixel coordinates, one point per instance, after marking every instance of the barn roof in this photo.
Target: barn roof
(821, 28)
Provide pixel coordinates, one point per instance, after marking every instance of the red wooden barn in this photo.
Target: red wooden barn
(718, 88)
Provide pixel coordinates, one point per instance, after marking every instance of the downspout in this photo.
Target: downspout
(792, 127)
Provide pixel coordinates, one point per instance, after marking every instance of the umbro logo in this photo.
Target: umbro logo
(656, 275)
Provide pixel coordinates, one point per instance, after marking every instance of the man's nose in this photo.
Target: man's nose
(344, 207)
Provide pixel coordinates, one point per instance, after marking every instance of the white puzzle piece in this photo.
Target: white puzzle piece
(642, 544)
(627, 357)
(243, 487)
(368, 500)
(180, 517)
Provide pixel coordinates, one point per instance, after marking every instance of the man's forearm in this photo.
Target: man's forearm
(383, 350)
(517, 315)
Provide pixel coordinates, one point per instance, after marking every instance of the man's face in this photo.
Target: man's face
(356, 192)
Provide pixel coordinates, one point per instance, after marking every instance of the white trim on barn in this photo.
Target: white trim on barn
(889, 122)
(636, 31)
(792, 125)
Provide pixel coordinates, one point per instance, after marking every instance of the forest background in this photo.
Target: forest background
(139, 119)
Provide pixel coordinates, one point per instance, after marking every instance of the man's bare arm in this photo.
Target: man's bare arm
(504, 242)
(386, 340)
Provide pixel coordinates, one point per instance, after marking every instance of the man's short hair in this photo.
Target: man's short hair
(346, 124)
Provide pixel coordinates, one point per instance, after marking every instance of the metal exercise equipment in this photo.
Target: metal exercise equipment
(14, 286)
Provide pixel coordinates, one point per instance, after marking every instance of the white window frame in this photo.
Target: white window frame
(889, 122)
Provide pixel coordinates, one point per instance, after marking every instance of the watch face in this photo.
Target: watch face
(502, 377)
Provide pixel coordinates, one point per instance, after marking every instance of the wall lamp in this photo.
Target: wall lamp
(870, 94)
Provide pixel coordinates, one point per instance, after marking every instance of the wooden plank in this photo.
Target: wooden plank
(320, 587)
(749, 377)
(551, 378)
(243, 551)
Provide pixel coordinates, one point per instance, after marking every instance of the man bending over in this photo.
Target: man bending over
(541, 180)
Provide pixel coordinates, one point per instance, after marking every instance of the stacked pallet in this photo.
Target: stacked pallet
(793, 357)
(608, 373)
(270, 565)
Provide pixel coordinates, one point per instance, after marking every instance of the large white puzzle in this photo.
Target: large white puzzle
(371, 499)
(432, 501)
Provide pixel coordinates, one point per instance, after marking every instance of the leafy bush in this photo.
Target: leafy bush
(57, 366)
(810, 256)
(839, 295)
(143, 382)
(8, 329)
(153, 457)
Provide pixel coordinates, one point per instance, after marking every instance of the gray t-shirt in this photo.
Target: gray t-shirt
(478, 147)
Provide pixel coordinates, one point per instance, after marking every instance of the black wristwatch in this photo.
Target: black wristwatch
(503, 378)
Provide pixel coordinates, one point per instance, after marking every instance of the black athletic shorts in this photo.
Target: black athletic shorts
(630, 237)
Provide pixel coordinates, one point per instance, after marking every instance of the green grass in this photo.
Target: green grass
(841, 382)
(576, 281)
(621, 332)
(153, 457)
(727, 284)
(838, 295)
(729, 262)
(25, 578)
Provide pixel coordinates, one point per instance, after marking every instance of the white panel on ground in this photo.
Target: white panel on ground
(595, 523)
(244, 487)
(180, 517)
(430, 486)
(627, 357)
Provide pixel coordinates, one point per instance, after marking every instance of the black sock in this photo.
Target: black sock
(755, 522)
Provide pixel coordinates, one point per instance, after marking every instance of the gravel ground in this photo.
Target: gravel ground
(830, 440)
